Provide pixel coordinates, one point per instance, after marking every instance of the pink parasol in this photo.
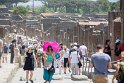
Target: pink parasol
(55, 46)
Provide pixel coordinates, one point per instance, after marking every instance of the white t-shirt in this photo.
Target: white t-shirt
(66, 54)
(83, 49)
(74, 57)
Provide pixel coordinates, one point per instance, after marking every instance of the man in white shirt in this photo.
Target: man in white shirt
(74, 56)
(83, 52)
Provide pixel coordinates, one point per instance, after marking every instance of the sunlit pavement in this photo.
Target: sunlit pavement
(38, 77)
(7, 73)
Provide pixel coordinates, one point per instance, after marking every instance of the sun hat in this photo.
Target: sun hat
(75, 43)
(30, 47)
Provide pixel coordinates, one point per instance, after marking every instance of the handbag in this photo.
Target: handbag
(52, 69)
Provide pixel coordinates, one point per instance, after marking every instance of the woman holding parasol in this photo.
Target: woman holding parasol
(49, 57)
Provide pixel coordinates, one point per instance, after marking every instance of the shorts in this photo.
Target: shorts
(5, 55)
(66, 62)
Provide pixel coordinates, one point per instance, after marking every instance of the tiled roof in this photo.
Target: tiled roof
(4, 22)
(48, 14)
(17, 17)
(92, 23)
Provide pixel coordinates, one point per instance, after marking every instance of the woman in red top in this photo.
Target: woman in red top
(122, 47)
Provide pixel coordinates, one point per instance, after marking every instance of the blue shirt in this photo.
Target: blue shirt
(100, 62)
(5, 49)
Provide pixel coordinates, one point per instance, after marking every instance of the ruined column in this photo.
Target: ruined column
(122, 7)
(17, 56)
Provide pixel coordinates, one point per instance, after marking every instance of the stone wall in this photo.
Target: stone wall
(47, 22)
(1, 32)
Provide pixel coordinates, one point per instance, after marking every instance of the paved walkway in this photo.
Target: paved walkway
(38, 77)
(7, 71)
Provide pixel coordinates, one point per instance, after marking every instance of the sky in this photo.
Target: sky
(39, 3)
(109, 0)
(36, 3)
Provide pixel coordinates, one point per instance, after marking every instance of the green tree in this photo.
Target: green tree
(115, 6)
(12, 1)
(104, 5)
(80, 6)
(3, 1)
(20, 10)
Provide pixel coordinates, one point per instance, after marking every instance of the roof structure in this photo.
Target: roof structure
(117, 19)
(4, 22)
(92, 23)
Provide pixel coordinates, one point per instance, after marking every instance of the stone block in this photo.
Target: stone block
(57, 77)
(79, 77)
(3, 81)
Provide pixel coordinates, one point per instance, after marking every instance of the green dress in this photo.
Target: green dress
(48, 75)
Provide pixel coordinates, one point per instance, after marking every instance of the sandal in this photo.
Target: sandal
(31, 81)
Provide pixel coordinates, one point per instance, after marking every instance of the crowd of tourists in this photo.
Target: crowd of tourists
(52, 56)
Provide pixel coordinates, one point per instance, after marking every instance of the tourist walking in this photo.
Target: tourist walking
(119, 74)
(101, 63)
(83, 52)
(79, 59)
(48, 64)
(58, 61)
(12, 48)
(117, 50)
(29, 64)
(23, 54)
(1, 50)
(66, 59)
(5, 52)
(74, 60)
(107, 48)
(39, 56)
(121, 47)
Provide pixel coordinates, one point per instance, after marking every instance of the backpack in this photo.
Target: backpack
(57, 55)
